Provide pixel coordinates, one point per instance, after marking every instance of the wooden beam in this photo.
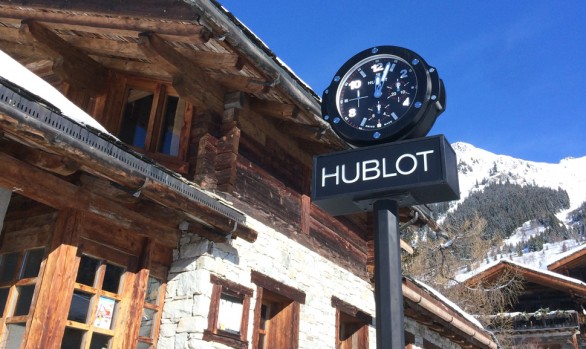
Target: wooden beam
(302, 131)
(39, 158)
(134, 67)
(113, 24)
(131, 50)
(188, 76)
(275, 110)
(75, 67)
(241, 83)
(201, 213)
(50, 190)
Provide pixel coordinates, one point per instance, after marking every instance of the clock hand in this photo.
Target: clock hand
(380, 82)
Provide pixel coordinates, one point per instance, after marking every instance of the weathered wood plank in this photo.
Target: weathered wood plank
(158, 193)
(55, 192)
(279, 288)
(70, 63)
(110, 24)
(57, 277)
(187, 73)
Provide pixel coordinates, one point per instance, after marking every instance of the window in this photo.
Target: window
(94, 304)
(351, 326)
(155, 120)
(151, 312)
(276, 314)
(229, 310)
(18, 278)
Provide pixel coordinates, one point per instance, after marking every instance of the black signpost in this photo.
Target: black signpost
(388, 292)
(381, 100)
(381, 179)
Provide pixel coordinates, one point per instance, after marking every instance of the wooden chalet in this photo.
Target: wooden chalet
(185, 221)
(549, 312)
(572, 263)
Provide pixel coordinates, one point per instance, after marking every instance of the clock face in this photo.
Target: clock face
(376, 92)
(383, 94)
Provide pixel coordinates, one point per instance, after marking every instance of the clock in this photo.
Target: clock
(383, 94)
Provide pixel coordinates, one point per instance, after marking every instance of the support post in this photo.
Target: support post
(387, 274)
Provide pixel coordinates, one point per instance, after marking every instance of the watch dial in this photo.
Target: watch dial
(376, 92)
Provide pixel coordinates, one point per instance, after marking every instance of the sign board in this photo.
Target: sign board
(417, 171)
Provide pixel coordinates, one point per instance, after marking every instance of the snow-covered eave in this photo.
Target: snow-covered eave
(567, 257)
(429, 298)
(436, 294)
(548, 276)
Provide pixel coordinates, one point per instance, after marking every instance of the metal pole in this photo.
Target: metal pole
(387, 275)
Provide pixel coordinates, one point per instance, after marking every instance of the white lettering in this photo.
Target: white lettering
(373, 169)
(398, 166)
(325, 176)
(366, 169)
(355, 178)
(385, 174)
(424, 153)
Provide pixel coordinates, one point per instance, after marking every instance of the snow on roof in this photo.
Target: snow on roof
(526, 267)
(447, 302)
(16, 73)
(566, 254)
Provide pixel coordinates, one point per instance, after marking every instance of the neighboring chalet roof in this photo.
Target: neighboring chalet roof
(429, 307)
(568, 259)
(538, 276)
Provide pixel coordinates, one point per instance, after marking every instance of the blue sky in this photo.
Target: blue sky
(514, 71)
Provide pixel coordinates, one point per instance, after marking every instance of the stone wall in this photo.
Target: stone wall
(187, 302)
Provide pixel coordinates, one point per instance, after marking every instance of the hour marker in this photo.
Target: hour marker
(394, 116)
(392, 67)
(363, 122)
(362, 73)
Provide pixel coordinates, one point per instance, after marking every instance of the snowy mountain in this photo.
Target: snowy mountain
(478, 167)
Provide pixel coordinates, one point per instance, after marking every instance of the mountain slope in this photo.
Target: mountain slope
(478, 167)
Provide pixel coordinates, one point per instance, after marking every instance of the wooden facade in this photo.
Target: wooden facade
(549, 311)
(207, 137)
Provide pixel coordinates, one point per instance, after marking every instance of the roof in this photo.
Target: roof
(16, 73)
(539, 276)
(568, 259)
(428, 306)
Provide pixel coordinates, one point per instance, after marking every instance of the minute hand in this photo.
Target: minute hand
(378, 88)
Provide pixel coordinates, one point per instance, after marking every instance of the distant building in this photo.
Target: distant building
(549, 312)
(170, 208)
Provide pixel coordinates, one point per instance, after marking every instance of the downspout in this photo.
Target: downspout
(457, 323)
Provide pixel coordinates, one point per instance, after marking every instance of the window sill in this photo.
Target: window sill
(225, 338)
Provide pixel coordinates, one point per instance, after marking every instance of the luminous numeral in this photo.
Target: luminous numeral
(377, 67)
(354, 85)
(352, 112)
(403, 73)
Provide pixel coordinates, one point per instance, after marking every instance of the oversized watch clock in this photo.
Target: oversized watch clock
(383, 94)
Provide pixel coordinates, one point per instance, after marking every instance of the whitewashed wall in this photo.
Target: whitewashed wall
(189, 289)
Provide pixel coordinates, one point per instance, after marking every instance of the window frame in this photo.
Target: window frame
(159, 273)
(14, 285)
(105, 255)
(349, 315)
(285, 298)
(232, 289)
(153, 136)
